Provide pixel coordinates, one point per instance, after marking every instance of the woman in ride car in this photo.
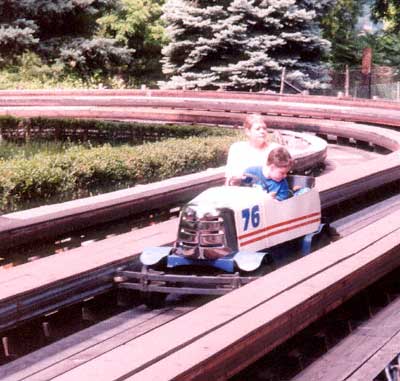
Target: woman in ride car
(248, 153)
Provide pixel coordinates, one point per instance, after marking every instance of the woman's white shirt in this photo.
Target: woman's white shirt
(242, 155)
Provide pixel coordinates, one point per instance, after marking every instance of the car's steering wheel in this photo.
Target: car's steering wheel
(248, 180)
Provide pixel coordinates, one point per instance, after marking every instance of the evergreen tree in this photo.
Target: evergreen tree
(196, 31)
(244, 44)
(58, 30)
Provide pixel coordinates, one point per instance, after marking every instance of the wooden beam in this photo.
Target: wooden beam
(257, 317)
(230, 348)
(363, 354)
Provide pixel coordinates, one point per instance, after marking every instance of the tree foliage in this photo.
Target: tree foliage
(342, 27)
(242, 44)
(389, 12)
(137, 25)
(56, 31)
(98, 56)
(339, 27)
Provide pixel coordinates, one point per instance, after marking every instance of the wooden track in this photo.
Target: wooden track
(363, 354)
(11, 97)
(17, 228)
(235, 330)
(122, 104)
(231, 332)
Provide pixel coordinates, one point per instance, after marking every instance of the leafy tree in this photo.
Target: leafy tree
(241, 44)
(137, 25)
(339, 27)
(16, 38)
(385, 47)
(389, 12)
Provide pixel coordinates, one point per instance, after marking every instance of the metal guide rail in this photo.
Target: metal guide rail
(392, 370)
(149, 280)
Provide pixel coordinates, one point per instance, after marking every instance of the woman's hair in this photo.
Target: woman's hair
(253, 118)
(280, 157)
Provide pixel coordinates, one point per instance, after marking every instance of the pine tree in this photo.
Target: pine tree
(244, 44)
(195, 33)
(58, 30)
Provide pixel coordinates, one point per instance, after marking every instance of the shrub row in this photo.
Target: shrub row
(97, 131)
(81, 171)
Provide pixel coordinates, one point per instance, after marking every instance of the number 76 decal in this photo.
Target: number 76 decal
(251, 215)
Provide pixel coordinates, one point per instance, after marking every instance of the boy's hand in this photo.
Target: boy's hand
(296, 188)
(272, 194)
(233, 181)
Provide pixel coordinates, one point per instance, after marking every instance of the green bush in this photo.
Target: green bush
(98, 131)
(32, 72)
(82, 171)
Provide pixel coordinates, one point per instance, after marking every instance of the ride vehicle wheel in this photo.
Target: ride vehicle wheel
(323, 239)
(154, 300)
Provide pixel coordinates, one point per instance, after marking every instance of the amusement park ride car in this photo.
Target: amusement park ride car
(225, 236)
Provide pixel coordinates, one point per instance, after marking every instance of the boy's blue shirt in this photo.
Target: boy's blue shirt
(280, 187)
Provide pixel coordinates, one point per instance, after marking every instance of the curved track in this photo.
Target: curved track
(205, 107)
(373, 251)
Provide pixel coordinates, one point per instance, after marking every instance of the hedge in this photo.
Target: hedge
(81, 171)
(97, 131)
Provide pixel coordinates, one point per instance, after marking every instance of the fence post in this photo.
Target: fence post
(347, 81)
(366, 70)
(282, 80)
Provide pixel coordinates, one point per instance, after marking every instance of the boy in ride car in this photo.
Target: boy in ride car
(271, 177)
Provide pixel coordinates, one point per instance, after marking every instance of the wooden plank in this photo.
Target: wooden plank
(363, 353)
(350, 224)
(379, 361)
(370, 174)
(59, 357)
(19, 227)
(325, 111)
(32, 275)
(230, 348)
(253, 300)
(8, 96)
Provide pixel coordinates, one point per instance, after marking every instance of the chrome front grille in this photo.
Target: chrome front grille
(201, 235)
